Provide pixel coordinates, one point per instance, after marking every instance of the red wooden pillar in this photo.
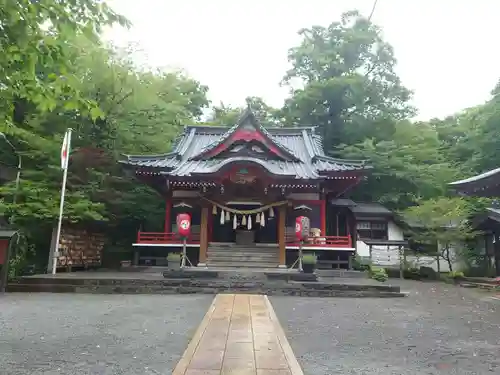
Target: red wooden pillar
(323, 216)
(168, 213)
(210, 226)
(281, 236)
(203, 236)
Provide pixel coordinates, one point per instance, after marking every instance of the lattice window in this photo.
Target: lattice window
(369, 230)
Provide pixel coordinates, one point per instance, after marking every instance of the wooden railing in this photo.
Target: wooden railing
(323, 241)
(165, 238)
(174, 239)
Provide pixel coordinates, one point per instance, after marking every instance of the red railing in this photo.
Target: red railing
(173, 238)
(165, 238)
(323, 241)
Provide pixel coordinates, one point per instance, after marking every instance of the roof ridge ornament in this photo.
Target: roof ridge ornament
(247, 129)
(249, 103)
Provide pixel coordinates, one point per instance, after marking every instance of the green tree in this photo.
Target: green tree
(140, 112)
(445, 222)
(224, 115)
(34, 51)
(406, 168)
(343, 81)
(471, 138)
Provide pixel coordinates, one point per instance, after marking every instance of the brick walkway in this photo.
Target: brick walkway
(240, 335)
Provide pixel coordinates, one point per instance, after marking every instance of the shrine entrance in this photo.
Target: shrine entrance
(229, 227)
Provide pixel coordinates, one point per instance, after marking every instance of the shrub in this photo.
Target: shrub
(428, 273)
(174, 258)
(479, 272)
(309, 259)
(378, 274)
(412, 273)
(455, 275)
(358, 264)
(392, 273)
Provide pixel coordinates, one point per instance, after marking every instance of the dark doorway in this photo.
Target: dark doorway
(337, 219)
(222, 232)
(226, 233)
(269, 232)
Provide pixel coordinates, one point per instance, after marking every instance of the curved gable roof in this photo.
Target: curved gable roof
(306, 160)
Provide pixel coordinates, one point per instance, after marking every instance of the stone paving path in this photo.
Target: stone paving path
(240, 335)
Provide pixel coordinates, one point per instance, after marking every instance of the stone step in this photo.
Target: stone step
(244, 250)
(479, 285)
(341, 273)
(242, 255)
(295, 289)
(233, 264)
(241, 261)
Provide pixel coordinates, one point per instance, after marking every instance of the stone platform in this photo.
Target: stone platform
(266, 282)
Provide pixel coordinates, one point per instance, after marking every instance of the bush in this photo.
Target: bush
(455, 275)
(412, 273)
(409, 273)
(358, 264)
(378, 274)
(479, 272)
(309, 259)
(428, 273)
(392, 273)
(174, 258)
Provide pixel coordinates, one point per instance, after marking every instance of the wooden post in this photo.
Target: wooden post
(168, 217)
(281, 236)
(402, 261)
(323, 217)
(487, 254)
(203, 237)
(497, 254)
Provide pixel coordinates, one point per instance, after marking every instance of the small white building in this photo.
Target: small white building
(384, 230)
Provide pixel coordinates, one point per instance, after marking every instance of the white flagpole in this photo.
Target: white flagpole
(55, 253)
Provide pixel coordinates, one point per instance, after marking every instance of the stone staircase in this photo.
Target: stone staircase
(242, 256)
(341, 273)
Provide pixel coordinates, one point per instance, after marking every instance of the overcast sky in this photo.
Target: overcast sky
(447, 50)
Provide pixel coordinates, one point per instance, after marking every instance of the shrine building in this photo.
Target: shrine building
(244, 186)
(486, 185)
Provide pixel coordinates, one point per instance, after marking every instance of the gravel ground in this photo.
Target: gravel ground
(96, 334)
(437, 329)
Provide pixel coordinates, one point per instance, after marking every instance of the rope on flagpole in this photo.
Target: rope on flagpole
(373, 10)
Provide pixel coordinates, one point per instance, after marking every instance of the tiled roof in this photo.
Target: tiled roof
(370, 209)
(247, 115)
(493, 213)
(478, 178)
(482, 185)
(310, 161)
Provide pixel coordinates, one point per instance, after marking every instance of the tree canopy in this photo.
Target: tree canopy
(342, 80)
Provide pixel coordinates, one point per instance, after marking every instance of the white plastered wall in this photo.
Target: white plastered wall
(383, 256)
(394, 233)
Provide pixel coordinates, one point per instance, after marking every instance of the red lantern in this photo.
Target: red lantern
(183, 225)
(302, 226)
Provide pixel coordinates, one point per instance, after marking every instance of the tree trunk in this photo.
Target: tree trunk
(497, 254)
(447, 257)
